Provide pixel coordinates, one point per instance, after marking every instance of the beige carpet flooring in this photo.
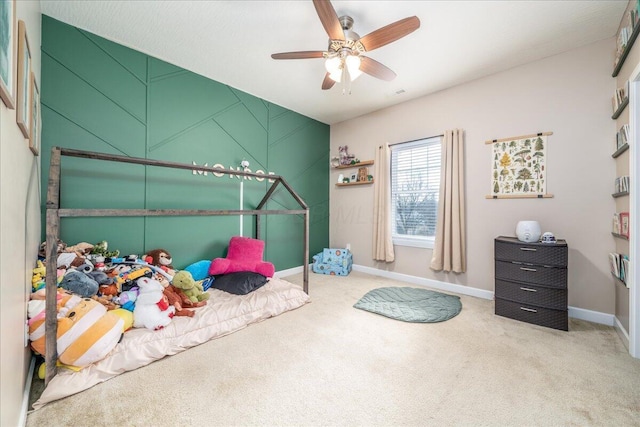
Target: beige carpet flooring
(328, 364)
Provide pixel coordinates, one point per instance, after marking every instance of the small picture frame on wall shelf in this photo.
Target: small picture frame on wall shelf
(362, 174)
(353, 177)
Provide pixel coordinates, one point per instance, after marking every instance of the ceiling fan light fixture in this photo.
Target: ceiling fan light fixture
(353, 65)
(333, 65)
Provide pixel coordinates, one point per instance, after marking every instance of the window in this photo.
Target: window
(415, 187)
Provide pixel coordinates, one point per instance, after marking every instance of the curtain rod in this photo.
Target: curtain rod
(414, 140)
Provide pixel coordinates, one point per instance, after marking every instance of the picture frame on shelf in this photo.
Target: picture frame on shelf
(36, 121)
(362, 174)
(624, 224)
(23, 110)
(7, 52)
(353, 177)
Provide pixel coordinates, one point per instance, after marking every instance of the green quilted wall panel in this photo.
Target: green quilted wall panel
(110, 78)
(131, 60)
(101, 96)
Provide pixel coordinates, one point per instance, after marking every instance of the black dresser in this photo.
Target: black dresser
(531, 281)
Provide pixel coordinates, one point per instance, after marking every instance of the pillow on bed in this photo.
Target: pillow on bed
(240, 283)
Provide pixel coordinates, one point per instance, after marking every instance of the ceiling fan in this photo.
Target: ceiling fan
(344, 57)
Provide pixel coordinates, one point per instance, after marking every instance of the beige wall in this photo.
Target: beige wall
(568, 94)
(19, 236)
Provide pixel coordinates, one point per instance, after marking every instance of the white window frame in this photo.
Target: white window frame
(403, 239)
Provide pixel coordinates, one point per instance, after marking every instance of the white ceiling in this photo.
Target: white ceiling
(231, 42)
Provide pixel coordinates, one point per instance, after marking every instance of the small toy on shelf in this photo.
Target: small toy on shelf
(345, 157)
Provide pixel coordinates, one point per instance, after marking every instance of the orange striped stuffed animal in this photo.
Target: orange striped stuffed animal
(86, 331)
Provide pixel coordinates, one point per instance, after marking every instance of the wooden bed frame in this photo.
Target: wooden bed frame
(55, 212)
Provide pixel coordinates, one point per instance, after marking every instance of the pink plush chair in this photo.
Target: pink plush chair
(245, 254)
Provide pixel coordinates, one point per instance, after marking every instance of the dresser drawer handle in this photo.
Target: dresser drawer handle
(528, 309)
(528, 249)
(528, 289)
(528, 269)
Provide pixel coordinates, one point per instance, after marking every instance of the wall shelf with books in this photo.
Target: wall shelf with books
(620, 108)
(620, 150)
(619, 266)
(621, 186)
(627, 35)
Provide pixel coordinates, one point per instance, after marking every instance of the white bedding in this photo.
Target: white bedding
(224, 313)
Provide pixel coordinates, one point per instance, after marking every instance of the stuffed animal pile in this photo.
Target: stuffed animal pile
(101, 295)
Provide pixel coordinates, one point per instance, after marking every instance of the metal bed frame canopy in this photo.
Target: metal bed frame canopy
(54, 212)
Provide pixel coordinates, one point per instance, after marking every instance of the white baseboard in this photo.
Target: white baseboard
(288, 272)
(591, 316)
(622, 332)
(575, 312)
(436, 284)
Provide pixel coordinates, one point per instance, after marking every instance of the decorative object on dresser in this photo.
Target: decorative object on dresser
(528, 231)
(531, 282)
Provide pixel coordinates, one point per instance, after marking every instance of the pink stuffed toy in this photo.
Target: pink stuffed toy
(245, 254)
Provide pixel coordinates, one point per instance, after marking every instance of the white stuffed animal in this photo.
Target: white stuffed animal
(152, 310)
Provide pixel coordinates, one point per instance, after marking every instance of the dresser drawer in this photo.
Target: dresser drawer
(549, 276)
(532, 253)
(532, 294)
(557, 319)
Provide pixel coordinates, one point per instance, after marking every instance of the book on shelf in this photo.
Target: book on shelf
(616, 227)
(620, 96)
(622, 136)
(619, 266)
(625, 32)
(621, 184)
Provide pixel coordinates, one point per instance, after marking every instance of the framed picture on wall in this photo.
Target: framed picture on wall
(23, 111)
(36, 121)
(353, 177)
(7, 51)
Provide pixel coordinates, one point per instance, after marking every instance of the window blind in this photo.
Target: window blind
(415, 187)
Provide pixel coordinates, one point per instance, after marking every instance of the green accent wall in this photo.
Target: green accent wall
(100, 96)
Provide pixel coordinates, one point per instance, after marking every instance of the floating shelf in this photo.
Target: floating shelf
(620, 194)
(355, 165)
(634, 36)
(621, 108)
(346, 184)
(619, 236)
(620, 150)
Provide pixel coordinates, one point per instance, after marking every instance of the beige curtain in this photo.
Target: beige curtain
(449, 249)
(382, 242)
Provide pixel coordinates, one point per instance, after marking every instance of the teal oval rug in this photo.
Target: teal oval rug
(411, 304)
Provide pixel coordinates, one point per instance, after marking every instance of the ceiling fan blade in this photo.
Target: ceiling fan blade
(390, 33)
(376, 69)
(329, 19)
(299, 55)
(328, 82)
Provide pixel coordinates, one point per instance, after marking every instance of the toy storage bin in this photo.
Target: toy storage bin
(336, 262)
